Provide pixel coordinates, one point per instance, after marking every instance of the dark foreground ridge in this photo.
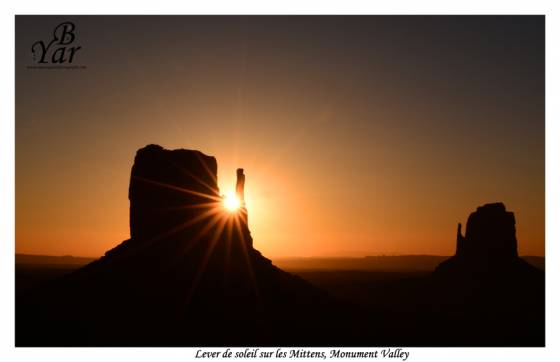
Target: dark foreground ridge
(190, 276)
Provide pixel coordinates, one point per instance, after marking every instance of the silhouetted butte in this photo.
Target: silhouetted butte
(485, 294)
(488, 247)
(188, 275)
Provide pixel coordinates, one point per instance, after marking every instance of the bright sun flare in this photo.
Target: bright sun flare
(231, 202)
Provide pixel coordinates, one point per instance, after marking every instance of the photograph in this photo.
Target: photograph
(297, 181)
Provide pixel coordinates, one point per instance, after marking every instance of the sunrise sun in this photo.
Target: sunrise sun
(231, 202)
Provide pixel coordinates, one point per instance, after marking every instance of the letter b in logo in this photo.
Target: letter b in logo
(64, 33)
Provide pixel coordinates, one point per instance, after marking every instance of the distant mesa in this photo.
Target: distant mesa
(489, 245)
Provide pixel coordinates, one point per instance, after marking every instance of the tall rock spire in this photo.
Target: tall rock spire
(240, 186)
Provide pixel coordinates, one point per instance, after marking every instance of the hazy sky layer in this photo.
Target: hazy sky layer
(358, 135)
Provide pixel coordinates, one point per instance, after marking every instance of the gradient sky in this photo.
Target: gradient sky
(358, 135)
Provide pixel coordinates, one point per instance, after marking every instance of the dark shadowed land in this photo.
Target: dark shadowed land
(397, 263)
(329, 273)
(383, 263)
(374, 282)
(32, 270)
(190, 275)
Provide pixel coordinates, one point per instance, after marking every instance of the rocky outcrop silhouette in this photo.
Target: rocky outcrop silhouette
(489, 245)
(490, 233)
(188, 275)
(165, 187)
(485, 294)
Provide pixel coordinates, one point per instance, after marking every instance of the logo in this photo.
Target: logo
(60, 51)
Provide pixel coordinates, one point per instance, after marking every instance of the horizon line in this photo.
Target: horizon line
(284, 257)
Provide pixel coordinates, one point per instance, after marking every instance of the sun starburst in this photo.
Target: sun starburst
(231, 202)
